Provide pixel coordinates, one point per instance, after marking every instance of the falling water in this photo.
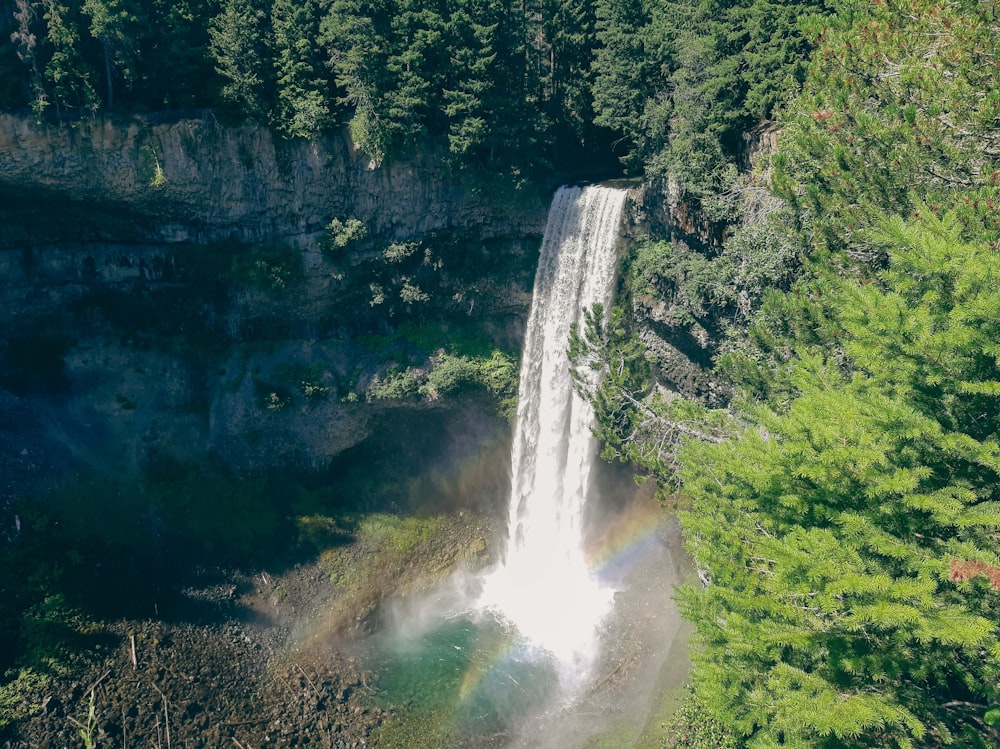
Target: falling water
(532, 655)
(544, 586)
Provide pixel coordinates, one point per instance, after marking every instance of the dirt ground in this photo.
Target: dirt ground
(249, 659)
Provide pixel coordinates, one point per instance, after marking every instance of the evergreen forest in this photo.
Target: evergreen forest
(839, 483)
(513, 86)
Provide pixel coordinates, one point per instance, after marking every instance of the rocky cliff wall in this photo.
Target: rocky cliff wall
(162, 290)
(680, 319)
(194, 180)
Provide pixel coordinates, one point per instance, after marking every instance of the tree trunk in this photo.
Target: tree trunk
(107, 74)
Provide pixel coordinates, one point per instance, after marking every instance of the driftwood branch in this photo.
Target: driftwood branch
(306, 677)
(166, 715)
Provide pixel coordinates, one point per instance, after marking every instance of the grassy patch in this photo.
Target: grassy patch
(413, 729)
(54, 639)
(621, 736)
(391, 555)
(383, 545)
(321, 532)
(397, 535)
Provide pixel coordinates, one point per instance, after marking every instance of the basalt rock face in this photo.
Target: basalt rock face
(194, 180)
(683, 336)
(680, 346)
(163, 290)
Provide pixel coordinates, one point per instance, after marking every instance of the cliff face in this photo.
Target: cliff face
(710, 280)
(163, 291)
(194, 180)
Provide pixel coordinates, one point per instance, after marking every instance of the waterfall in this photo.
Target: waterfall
(544, 586)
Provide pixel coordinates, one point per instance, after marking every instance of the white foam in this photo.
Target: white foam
(544, 587)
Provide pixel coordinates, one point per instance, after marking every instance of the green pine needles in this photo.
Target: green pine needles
(830, 526)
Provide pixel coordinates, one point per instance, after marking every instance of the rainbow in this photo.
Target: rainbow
(627, 538)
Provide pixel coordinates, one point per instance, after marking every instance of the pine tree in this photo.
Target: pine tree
(569, 28)
(470, 93)
(303, 102)
(67, 73)
(115, 24)
(831, 529)
(176, 65)
(25, 38)
(631, 66)
(417, 64)
(519, 129)
(635, 422)
(900, 106)
(356, 36)
(238, 45)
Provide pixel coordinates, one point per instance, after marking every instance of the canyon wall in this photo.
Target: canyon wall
(163, 290)
(195, 180)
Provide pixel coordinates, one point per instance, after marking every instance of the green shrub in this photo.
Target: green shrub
(410, 292)
(378, 294)
(464, 358)
(499, 373)
(21, 695)
(399, 385)
(368, 132)
(339, 235)
(397, 252)
(321, 531)
(695, 727)
(269, 267)
(312, 380)
(451, 374)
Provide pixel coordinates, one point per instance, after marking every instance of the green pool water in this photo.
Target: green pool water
(461, 681)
